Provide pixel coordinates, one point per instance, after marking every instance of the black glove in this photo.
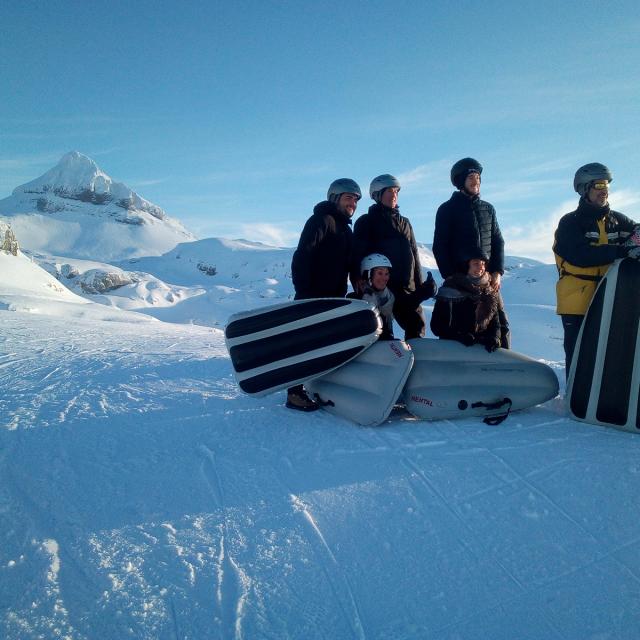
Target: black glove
(467, 339)
(428, 288)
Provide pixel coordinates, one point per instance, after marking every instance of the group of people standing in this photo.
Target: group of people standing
(380, 259)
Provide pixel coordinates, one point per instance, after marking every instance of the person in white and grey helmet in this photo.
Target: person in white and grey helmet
(586, 242)
(320, 264)
(466, 224)
(375, 270)
(383, 230)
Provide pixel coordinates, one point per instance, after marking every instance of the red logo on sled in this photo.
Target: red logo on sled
(394, 347)
(421, 400)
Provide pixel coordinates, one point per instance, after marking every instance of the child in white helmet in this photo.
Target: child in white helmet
(376, 271)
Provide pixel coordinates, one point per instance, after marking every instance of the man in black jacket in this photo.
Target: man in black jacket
(466, 224)
(383, 230)
(320, 264)
(586, 242)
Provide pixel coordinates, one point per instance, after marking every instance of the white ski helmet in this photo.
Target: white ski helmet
(379, 184)
(340, 186)
(586, 174)
(372, 261)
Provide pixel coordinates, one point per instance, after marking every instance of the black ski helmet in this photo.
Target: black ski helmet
(474, 254)
(586, 174)
(462, 169)
(340, 186)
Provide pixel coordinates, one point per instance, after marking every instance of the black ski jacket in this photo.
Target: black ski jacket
(586, 242)
(320, 264)
(577, 238)
(384, 230)
(464, 225)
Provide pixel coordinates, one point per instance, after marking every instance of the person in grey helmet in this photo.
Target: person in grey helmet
(320, 264)
(586, 242)
(383, 230)
(465, 224)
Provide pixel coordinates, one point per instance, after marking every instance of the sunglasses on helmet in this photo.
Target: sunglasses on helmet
(600, 185)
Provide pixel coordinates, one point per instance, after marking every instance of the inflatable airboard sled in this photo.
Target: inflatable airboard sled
(366, 389)
(605, 375)
(450, 381)
(279, 346)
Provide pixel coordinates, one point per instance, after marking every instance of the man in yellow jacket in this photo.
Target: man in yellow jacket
(587, 241)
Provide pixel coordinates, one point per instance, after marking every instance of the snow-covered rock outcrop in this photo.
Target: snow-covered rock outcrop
(8, 241)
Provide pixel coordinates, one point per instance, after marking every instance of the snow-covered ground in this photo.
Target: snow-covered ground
(143, 496)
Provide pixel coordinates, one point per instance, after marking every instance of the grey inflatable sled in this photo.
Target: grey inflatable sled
(282, 345)
(366, 389)
(451, 381)
(604, 380)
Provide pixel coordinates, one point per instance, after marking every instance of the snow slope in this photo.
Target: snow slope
(75, 209)
(143, 496)
(204, 281)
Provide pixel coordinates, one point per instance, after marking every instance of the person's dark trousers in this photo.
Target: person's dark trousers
(410, 319)
(505, 331)
(571, 324)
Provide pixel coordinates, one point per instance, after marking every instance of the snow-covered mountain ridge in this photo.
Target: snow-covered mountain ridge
(78, 178)
(76, 209)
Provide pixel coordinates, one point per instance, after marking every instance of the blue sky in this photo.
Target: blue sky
(234, 117)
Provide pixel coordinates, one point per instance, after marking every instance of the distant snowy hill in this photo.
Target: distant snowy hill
(75, 209)
(26, 287)
(203, 282)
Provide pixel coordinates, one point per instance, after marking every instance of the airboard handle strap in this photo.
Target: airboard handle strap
(323, 403)
(491, 406)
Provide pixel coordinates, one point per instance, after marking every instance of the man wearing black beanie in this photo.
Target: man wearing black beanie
(465, 224)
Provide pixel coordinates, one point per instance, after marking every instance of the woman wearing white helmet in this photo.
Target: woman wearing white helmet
(375, 270)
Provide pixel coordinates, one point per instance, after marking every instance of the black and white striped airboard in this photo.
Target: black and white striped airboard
(604, 381)
(279, 346)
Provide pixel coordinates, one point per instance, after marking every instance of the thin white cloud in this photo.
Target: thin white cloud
(425, 173)
(28, 162)
(626, 201)
(261, 174)
(275, 235)
(536, 239)
(271, 234)
(520, 189)
(136, 184)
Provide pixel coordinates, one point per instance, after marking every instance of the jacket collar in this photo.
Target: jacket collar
(329, 208)
(592, 211)
(462, 199)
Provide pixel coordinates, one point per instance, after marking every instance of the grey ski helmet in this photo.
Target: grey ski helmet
(586, 174)
(372, 261)
(340, 186)
(462, 169)
(379, 184)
